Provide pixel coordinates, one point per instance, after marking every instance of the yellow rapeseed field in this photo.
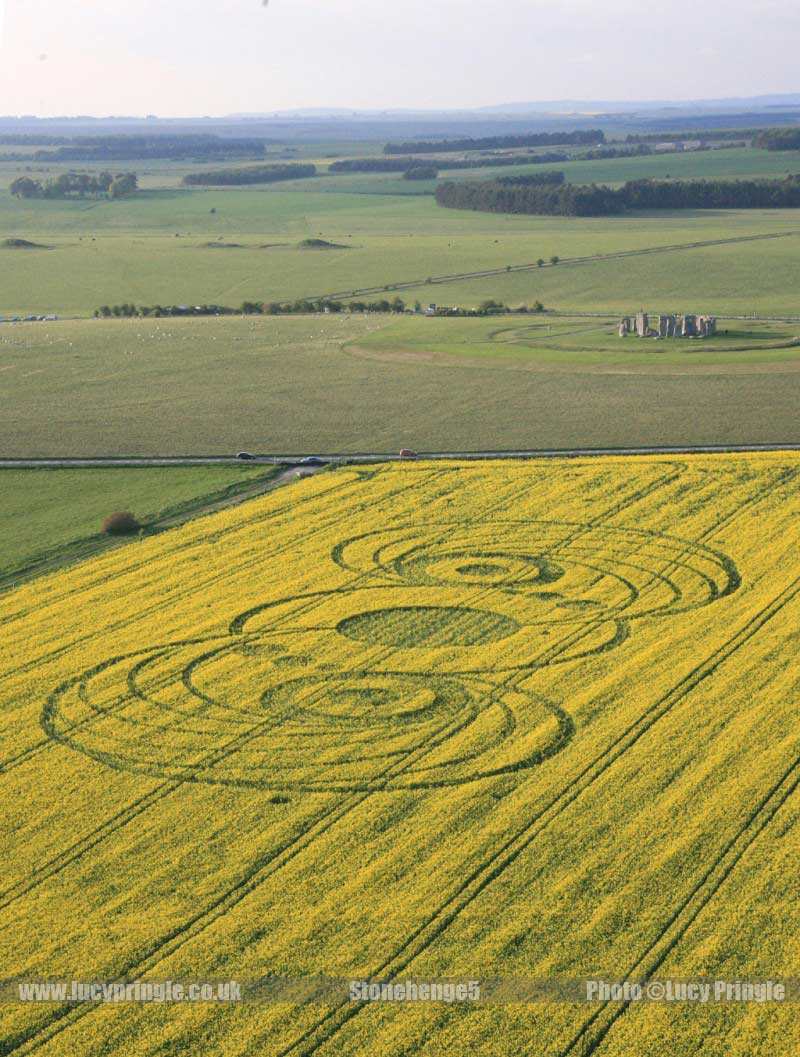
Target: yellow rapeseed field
(521, 723)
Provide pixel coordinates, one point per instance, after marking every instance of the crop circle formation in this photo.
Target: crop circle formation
(418, 672)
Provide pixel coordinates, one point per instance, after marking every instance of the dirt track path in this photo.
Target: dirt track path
(411, 284)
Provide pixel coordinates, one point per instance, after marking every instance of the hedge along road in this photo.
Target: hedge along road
(295, 462)
(511, 268)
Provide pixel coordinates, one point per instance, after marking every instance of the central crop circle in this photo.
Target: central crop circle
(428, 626)
(482, 569)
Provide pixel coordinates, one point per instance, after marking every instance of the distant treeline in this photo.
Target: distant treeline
(421, 172)
(532, 179)
(127, 148)
(712, 194)
(492, 196)
(302, 307)
(589, 201)
(579, 137)
(69, 185)
(20, 139)
(778, 139)
(402, 165)
(255, 174)
(247, 308)
(694, 134)
(613, 152)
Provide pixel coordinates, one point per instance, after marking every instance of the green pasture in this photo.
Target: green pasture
(165, 248)
(341, 384)
(578, 341)
(44, 511)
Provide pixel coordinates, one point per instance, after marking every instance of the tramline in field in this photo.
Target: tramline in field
(487, 719)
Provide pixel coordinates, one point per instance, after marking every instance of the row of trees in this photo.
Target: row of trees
(77, 185)
(778, 139)
(254, 174)
(421, 172)
(698, 134)
(303, 306)
(591, 201)
(548, 200)
(126, 148)
(601, 153)
(131, 311)
(712, 194)
(578, 137)
(402, 165)
(532, 179)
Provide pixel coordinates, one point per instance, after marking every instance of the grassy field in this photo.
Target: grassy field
(354, 384)
(540, 340)
(162, 248)
(522, 722)
(49, 512)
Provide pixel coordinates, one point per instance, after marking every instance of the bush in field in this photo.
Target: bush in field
(122, 523)
(421, 172)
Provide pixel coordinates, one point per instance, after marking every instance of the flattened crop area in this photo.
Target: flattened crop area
(488, 721)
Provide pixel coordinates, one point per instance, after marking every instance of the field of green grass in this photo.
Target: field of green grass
(158, 249)
(579, 342)
(354, 384)
(336, 383)
(46, 512)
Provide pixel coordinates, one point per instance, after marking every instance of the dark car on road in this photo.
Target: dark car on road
(312, 460)
(244, 455)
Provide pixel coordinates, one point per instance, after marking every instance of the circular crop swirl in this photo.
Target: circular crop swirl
(428, 626)
(414, 672)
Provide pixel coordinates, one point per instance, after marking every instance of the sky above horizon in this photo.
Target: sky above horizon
(215, 57)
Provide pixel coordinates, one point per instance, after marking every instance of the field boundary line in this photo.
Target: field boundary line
(484, 273)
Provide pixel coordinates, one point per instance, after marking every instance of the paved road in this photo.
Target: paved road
(293, 462)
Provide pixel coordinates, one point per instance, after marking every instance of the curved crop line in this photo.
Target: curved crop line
(256, 561)
(495, 864)
(100, 833)
(43, 745)
(292, 505)
(40, 1035)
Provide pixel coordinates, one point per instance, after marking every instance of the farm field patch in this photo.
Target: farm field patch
(345, 384)
(99, 253)
(515, 721)
(580, 341)
(45, 512)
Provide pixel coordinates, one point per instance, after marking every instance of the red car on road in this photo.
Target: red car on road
(407, 453)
